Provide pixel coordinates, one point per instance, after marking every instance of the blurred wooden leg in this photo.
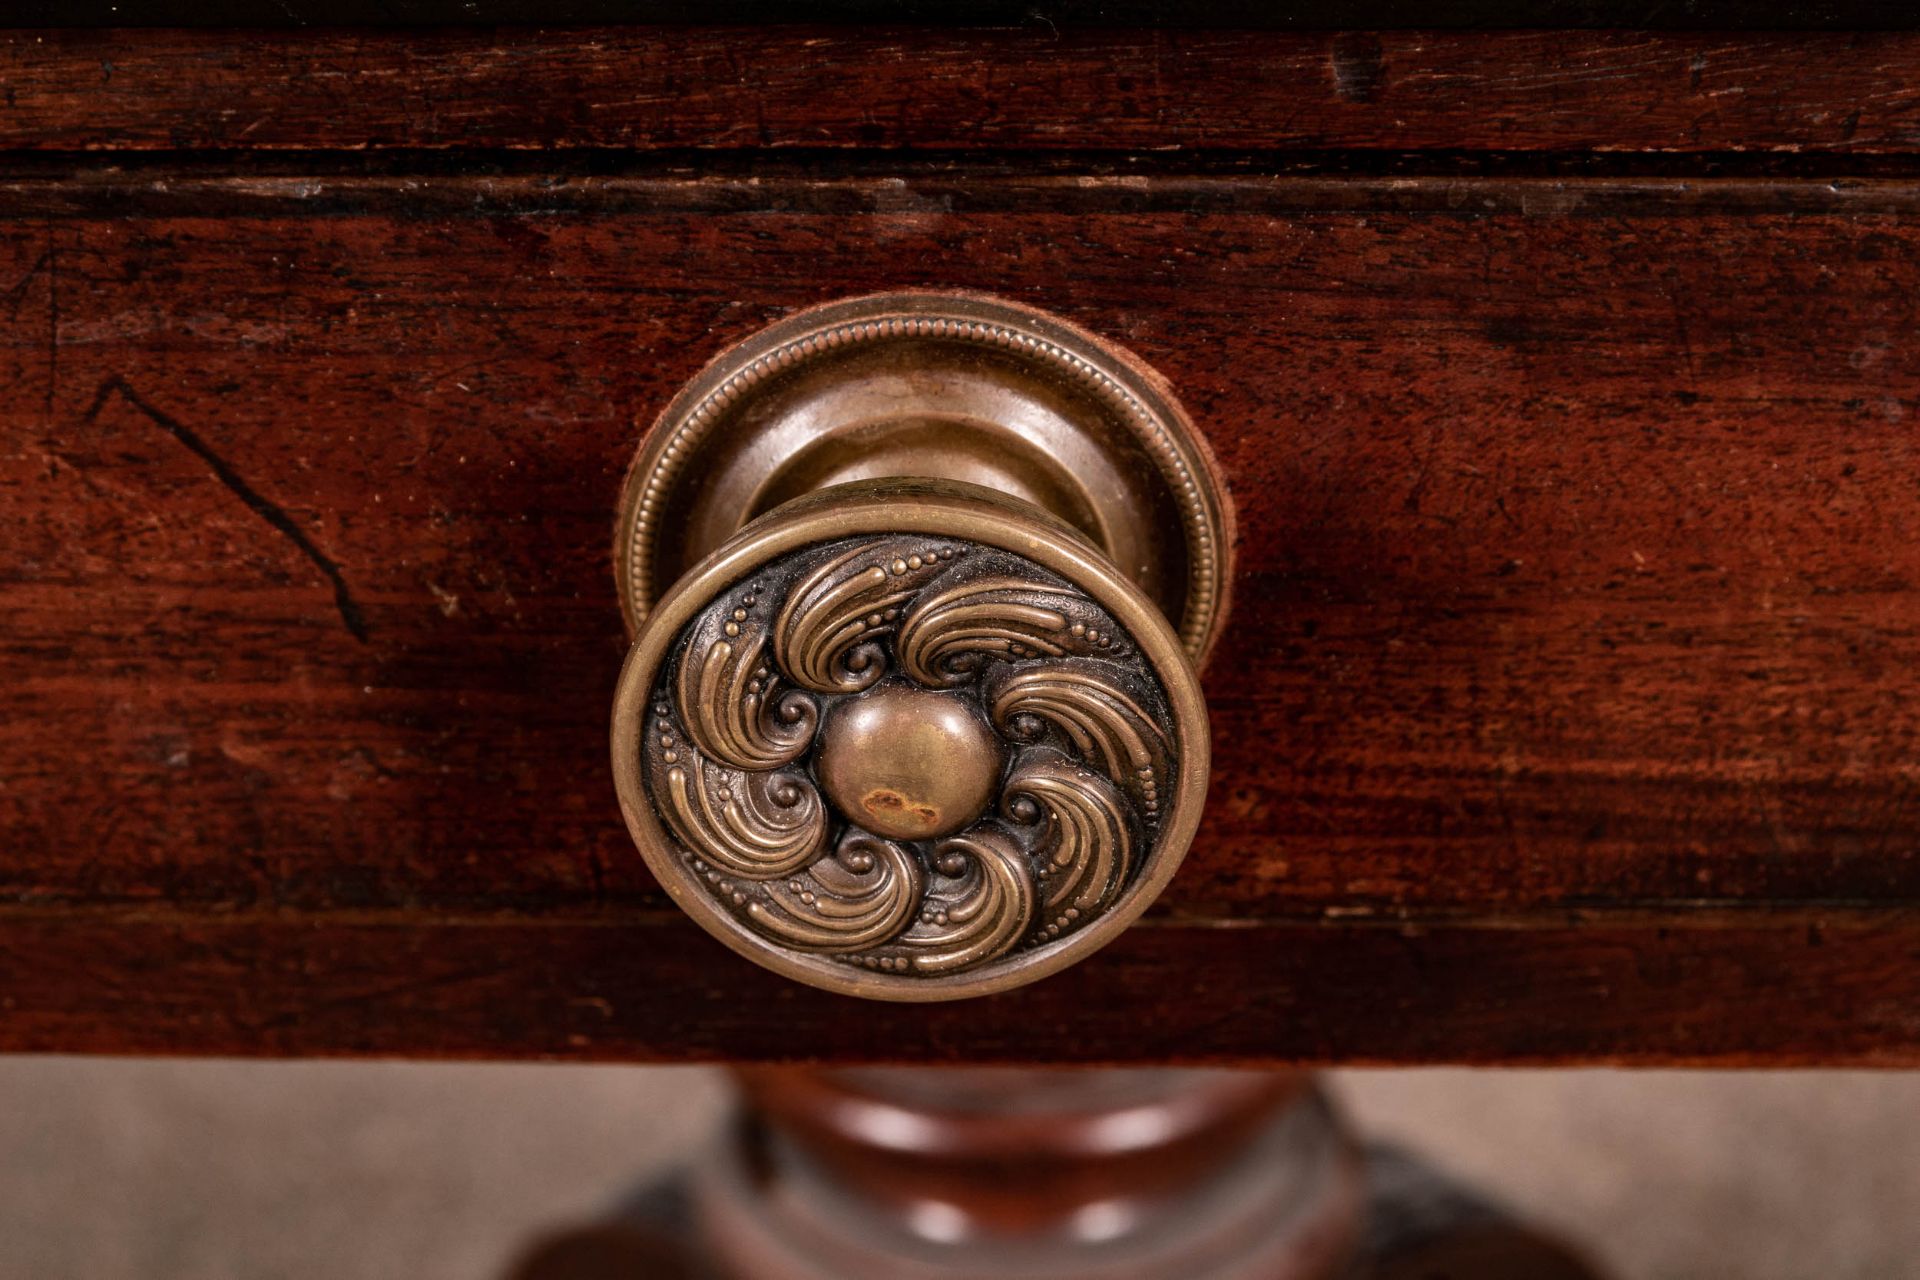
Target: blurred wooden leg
(1001, 1174)
(846, 1175)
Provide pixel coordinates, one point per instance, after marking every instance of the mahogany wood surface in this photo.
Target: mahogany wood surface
(1323, 15)
(1778, 989)
(1040, 87)
(1567, 709)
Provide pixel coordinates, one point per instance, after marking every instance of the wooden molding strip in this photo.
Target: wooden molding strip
(1774, 992)
(1040, 87)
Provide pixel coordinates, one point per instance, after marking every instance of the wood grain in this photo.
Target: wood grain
(1774, 990)
(1695, 15)
(1571, 663)
(1576, 555)
(1040, 88)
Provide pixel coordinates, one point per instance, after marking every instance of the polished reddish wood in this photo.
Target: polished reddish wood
(1769, 989)
(1093, 1174)
(1035, 88)
(1064, 1175)
(1023, 1150)
(1571, 664)
(1576, 554)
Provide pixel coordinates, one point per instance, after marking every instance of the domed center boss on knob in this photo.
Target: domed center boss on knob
(916, 715)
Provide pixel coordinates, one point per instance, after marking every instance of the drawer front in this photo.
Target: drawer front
(1573, 629)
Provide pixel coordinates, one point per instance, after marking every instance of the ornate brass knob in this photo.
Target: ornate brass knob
(909, 737)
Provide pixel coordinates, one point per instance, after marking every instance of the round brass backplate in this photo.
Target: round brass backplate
(910, 740)
(943, 386)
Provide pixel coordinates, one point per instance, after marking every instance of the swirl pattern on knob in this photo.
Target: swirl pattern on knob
(912, 755)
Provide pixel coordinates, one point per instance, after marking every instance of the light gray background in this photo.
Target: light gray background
(112, 1170)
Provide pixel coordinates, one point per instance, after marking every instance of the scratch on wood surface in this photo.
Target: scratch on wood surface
(14, 293)
(252, 498)
(52, 259)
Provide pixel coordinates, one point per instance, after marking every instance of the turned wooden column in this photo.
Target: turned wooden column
(1012, 1174)
(838, 1175)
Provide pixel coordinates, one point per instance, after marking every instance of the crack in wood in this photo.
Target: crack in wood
(15, 294)
(252, 498)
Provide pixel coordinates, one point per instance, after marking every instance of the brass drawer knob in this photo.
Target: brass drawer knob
(905, 736)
